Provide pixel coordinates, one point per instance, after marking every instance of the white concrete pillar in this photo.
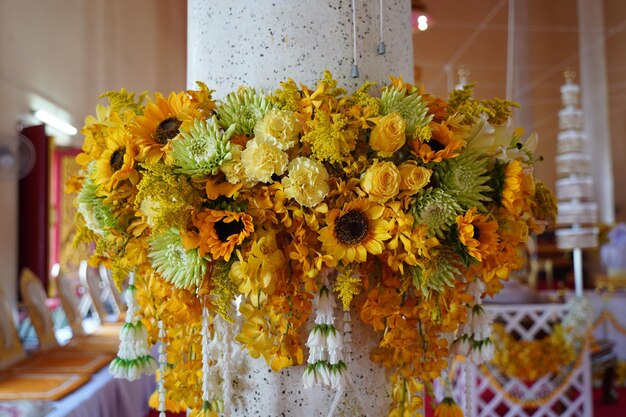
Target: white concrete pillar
(261, 43)
(593, 83)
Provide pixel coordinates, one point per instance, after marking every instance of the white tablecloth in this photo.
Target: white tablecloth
(104, 396)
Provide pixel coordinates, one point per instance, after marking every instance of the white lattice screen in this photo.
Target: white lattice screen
(565, 395)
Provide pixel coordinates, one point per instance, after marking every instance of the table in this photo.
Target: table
(105, 396)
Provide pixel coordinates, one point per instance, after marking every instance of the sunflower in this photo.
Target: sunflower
(443, 144)
(477, 234)
(448, 408)
(220, 231)
(162, 121)
(116, 163)
(355, 230)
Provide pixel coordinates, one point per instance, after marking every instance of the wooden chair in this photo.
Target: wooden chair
(104, 338)
(70, 304)
(117, 296)
(11, 349)
(35, 296)
(99, 291)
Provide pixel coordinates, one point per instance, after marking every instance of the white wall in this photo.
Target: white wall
(67, 52)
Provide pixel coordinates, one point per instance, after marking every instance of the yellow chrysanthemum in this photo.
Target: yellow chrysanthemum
(162, 121)
(116, 163)
(354, 231)
(221, 231)
(477, 234)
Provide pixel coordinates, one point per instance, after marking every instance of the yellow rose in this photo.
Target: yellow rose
(413, 178)
(381, 181)
(388, 136)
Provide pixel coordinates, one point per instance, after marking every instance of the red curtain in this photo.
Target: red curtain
(33, 212)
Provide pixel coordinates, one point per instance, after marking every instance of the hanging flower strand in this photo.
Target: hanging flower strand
(162, 363)
(325, 364)
(133, 358)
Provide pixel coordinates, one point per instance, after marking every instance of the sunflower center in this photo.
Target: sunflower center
(476, 233)
(167, 130)
(117, 159)
(352, 227)
(435, 145)
(225, 230)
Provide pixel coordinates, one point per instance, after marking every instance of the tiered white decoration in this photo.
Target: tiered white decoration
(574, 188)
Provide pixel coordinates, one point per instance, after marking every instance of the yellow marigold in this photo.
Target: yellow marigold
(220, 231)
(381, 181)
(263, 158)
(307, 182)
(477, 234)
(388, 135)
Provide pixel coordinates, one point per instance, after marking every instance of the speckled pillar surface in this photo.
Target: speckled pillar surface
(260, 43)
(271, 394)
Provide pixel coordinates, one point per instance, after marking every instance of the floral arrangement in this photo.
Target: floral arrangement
(401, 208)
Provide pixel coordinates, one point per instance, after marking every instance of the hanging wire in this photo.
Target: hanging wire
(355, 68)
(381, 43)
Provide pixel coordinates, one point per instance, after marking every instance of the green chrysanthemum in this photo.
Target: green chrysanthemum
(437, 209)
(242, 109)
(410, 106)
(465, 178)
(98, 216)
(181, 267)
(436, 272)
(203, 150)
(165, 198)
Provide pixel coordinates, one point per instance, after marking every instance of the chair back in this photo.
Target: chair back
(67, 294)
(96, 288)
(35, 296)
(11, 350)
(105, 276)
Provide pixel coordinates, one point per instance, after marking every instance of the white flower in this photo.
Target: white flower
(325, 307)
(323, 373)
(309, 377)
(487, 349)
(337, 376)
(316, 338)
(460, 346)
